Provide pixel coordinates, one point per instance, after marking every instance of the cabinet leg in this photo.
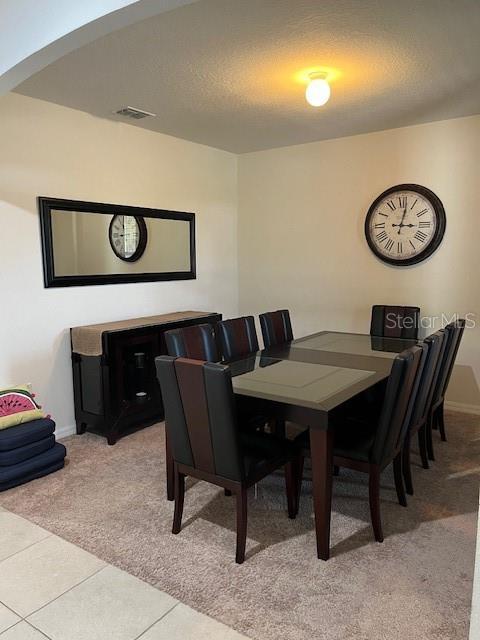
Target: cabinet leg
(81, 428)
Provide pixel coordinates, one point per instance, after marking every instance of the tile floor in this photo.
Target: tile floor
(50, 588)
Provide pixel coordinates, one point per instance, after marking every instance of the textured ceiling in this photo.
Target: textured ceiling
(231, 73)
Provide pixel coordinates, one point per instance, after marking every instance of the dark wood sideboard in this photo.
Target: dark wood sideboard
(114, 379)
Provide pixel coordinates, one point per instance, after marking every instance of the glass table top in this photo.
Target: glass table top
(354, 344)
(300, 383)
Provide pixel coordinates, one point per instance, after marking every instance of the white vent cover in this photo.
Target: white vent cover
(134, 113)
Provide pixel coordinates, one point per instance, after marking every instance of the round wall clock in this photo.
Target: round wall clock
(128, 237)
(405, 224)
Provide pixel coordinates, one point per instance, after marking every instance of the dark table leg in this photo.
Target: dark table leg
(321, 447)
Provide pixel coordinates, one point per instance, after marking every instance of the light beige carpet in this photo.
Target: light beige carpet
(417, 584)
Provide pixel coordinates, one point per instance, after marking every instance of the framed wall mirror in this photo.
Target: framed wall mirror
(86, 243)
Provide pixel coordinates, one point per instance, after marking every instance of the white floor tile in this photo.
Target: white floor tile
(184, 623)
(22, 631)
(111, 605)
(17, 534)
(7, 618)
(35, 576)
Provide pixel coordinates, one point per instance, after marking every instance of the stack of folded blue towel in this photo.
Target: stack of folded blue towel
(29, 451)
(27, 442)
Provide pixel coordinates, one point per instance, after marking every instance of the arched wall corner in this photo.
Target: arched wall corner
(34, 34)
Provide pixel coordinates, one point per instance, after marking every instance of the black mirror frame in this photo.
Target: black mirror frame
(45, 207)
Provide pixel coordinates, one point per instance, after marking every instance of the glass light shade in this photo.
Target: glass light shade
(318, 92)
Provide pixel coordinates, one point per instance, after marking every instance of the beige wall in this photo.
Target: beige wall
(302, 244)
(53, 151)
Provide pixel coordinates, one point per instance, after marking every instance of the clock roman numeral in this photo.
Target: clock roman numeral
(391, 205)
(416, 200)
(420, 236)
(389, 244)
(402, 201)
(412, 245)
(424, 224)
(399, 247)
(380, 225)
(382, 236)
(422, 213)
(382, 214)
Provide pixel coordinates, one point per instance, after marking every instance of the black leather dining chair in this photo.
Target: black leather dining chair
(419, 421)
(371, 445)
(394, 322)
(454, 332)
(238, 337)
(196, 342)
(207, 443)
(276, 327)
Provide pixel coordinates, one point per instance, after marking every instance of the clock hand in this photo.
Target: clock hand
(403, 218)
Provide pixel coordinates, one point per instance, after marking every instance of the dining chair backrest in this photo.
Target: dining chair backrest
(200, 415)
(426, 379)
(458, 328)
(276, 327)
(238, 337)
(196, 342)
(394, 322)
(453, 336)
(397, 402)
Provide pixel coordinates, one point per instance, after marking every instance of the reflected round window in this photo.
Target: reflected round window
(128, 237)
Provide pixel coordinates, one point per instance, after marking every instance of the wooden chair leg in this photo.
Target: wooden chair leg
(429, 438)
(406, 466)
(291, 486)
(374, 499)
(169, 468)
(441, 423)
(301, 462)
(179, 498)
(241, 525)
(397, 472)
(435, 420)
(422, 445)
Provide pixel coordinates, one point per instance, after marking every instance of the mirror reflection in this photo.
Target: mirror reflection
(92, 243)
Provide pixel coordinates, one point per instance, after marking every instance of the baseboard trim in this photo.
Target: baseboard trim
(65, 431)
(462, 407)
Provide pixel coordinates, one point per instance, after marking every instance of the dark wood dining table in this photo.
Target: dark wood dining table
(304, 381)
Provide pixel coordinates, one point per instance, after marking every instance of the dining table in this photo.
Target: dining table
(304, 382)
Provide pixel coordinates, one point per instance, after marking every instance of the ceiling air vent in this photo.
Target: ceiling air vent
(134, 113)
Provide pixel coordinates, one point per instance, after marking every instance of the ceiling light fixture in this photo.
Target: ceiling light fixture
(318, 89)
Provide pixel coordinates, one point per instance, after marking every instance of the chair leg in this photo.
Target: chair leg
(429, 438)
(179, 497)
(441, 423)
(169, 468)
(301, 462)
(397, 472)
(406, 466)
(422, 445)
(336, 470)
(241, 525)
(291, 486)
(374, 499)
